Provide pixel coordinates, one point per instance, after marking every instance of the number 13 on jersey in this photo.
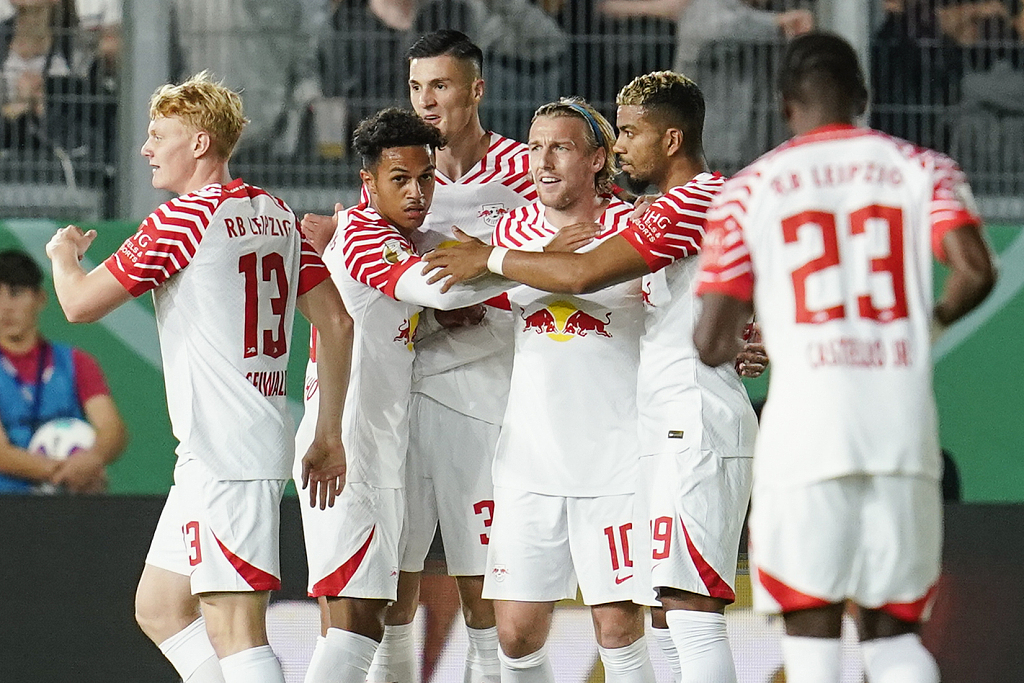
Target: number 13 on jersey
(270, 269)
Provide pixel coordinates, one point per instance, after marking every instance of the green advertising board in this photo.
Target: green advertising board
(981, 405)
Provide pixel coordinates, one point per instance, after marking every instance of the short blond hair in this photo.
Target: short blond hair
(203, 104)
(577, 107)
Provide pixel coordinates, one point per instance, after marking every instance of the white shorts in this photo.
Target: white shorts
(224, 535)
(875, 540)
(542, 545)
(698, 505)
(448, 481)
(643, 589)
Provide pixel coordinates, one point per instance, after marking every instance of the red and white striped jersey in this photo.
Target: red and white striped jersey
(225, 264)
(478, 357)
(683, 404)
(570, 426)
(832, 236)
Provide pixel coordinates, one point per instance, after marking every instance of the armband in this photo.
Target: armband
(495, 259)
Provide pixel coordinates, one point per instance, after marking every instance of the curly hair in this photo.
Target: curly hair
(599, 133)
(675, 99)
(389, 128)
(203, 104)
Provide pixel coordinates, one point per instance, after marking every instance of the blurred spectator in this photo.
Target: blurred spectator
(36, 43)
(727, 47)
(42, 380)
(258, 47)
(100, 34)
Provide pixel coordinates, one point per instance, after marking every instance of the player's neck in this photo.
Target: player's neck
(588, 210)
(207, 173)
(464, 150)
(680, 172)
(805, 119)
(20, 344)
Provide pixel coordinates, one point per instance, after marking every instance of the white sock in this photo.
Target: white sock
(702, 644)
(395, 660)
(668, 648)
(629, 664)
(341, 657)
(901, 659)
(190, 652)
(811, 660)
(255, 665)
(482, 664)
(533, 668)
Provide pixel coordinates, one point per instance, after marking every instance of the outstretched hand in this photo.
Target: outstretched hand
(458, 263)
(323, 471)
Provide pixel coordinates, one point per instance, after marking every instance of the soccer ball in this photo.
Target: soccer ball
(60, 439)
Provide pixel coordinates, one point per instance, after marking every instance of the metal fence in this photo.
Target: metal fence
(942, 75)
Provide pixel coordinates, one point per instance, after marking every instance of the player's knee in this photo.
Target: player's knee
(517, 641)
(160, 619)
(618, 624)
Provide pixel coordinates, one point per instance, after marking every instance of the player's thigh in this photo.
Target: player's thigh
(901, 545)
(640, 540)
(224, 535)
(600, 536)
(465, 495)
(804, 542)
(420, 522)
(698, 506)
(528, 556)
(352, 548)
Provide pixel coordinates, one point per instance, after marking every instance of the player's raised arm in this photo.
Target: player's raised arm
(84, 297)
(323, 466)
(972, 274)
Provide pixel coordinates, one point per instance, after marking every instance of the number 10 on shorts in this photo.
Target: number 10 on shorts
(618, 545)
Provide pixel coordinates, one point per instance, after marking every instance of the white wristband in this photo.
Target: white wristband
(496, 258)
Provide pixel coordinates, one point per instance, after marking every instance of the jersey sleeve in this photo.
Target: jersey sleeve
(375, 255)
(670, 230)
(952, 204)
(725, 265)
(89, 380)
(163, 245)
(312, 270)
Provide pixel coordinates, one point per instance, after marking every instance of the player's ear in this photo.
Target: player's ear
(600, 158)
(478, 90)
(368, 179)
(201, 144)
(673, 141)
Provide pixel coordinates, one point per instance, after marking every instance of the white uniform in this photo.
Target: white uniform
(837, 227)
(566, 463)
(697, 427)
(460, 377)
(353, 548)
(225, 264)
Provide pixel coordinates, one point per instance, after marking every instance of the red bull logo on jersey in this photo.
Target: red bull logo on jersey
(407, 331)
(561, 321)
(491, 213)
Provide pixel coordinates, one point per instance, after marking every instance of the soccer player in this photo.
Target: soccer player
(696, 423)
(227, 268)
(830, 237)
(461, 373)
(566, 461)
(353, 548)
(41, 381)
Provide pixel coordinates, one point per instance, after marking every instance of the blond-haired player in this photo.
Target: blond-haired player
(227, 268)
(566, 461)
